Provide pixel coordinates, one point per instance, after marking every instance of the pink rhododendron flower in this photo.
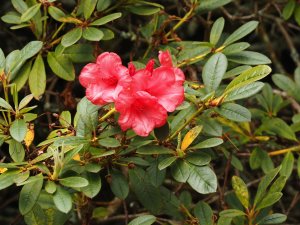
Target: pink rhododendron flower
(104, 79)
(152, 93)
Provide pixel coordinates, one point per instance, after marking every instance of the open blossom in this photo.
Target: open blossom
(142, 97)
(104, 79)
(152, 93)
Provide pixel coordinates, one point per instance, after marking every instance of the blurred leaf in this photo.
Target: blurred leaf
(154, 149)
(11, 18)
(287, 165)
(22, 75)
(25, 101)
(285, 83)
(278, 184)
(119, 184)
(62, 200)
(190, 137)
(235, 112)
(213, 71)
(204, 213)
(4, 104)
(106, 19)
(50, 187)
(143, 220)
(7, 178)
(208, 5)
(71, 37)
(16, 151)
(216, 30)
(2, 59)
(30, 12)
(269, 200)
(36, 216)
(29, 194)
(103, 4)
(56, 13)
(275, 218)
(76, 182)
(208, 143)
(230, 213)
(18, 130)
(249, 58)
(109, 142)
(65, 119)
(155, 176)
(241, 190)
(241, 32)
(88, 8)
(61, 66)
(161, 133)
(92, 34)
(19, 5)
(108, 34)
(37, 77)
(143, 10)
(288, 9)
(297, 14)
(202, 179)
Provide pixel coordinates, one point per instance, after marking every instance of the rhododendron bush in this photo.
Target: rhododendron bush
(149, 112)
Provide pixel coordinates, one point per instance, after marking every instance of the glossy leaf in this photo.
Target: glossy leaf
(88, 8)
(56, 13)
(269, 200)
(94, 186)
(231, 213)
(198, 158)
(236, 47)
(31, 49)
(166, 162)
(244, 92)
(213, 71)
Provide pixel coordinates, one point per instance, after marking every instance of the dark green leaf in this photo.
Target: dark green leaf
(288, 9)
(61, 66)
(208, 5)
(234, 48)
(181, 170)
(154, 149)
(166, 162)
(119, 184)
(230, 213)
(88, 8)
(37, 78)
(208, 143)
(143, 10)
(287, 165)
(94, 186)
(56, 13)
(204, 213)
(235, 112)
(92, 34)
(36, 216)
(198, 158)
(275, 218)
(29, 194)
(106, 19)
(80, 53)
(76, 182)
(109, 142)
(269, 200)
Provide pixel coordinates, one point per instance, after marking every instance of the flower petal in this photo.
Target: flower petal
(165, 58)
(88, 74)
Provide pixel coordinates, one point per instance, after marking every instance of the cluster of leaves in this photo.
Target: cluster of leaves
(173, 176)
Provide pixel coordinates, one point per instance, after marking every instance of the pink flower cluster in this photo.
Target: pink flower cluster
(142, 97)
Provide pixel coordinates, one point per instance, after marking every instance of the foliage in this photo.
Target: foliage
(227, 155)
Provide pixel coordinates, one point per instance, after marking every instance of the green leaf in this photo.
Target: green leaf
(56, 13)
(71, 37)
(209, 5)
(11, 18)
(109, 142)
(224, 221)
(204, 213)
(190, 137)
(143, 10)
(103, 4)
(31, 49)
(37, 77)
(287, 165)
(288, 9)
(75, 182)
(249, 58)
(285, 83)
(16, 151)
(80, 53)
(18, 130)
(155, 176)
(143, 220)
(213, 71)
(22, 75)
(216, 30)
(181, 170)
(236, 71)
(19, 5)
(241, 190)
(241, 32)
(265, 182)
(50, 187)
(247, 77)
(166, 162)
(231, 213)
(235, 48)
(62, 200)
(2, 59)
(4, 104)
(88, 8)
(25, 101)
(30, 12)
(208, 143)
(198, 158)
(278, 184)
(162, 133)
(65, 119)
(202, 179)
(94, 186)
(235, 112)
(61, 66)
(153, 149)
(244, 92)
(92, 34)
(297, 14)
(106, 19)
(36, 216)
(269, 200)
(7, 179)
(119, 184)
(108, 34)
(29, 195)
(275, 218)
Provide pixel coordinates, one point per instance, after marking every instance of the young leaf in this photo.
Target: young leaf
(235, 112)
(204, 213)
(30, 12)
(106, 19)
(216, 31)
(143, 220)
(71, 37)
(18, 130)
(190, 137)
(4, 104)
(213, 71)
(37, 77)
(241, 32)
(25, 101)
(241, 190)
(29, 194)
(62, 200)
